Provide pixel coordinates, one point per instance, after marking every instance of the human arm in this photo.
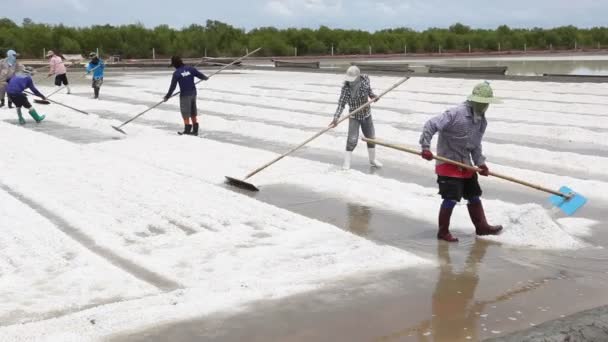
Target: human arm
(432, 126)
(32, 87)
(344, 94)
(199, 74)
(171, 87)
(477, 153)
(372, 95)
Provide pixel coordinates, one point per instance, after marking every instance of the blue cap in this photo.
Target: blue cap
(11, 53)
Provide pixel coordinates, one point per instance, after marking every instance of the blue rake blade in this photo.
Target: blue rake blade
(568, 206)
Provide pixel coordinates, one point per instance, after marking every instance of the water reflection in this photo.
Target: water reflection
(540, 67)
(455, 314)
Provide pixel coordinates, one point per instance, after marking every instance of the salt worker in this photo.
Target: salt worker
(461, 130)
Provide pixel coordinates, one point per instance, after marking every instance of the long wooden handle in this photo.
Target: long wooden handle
(362, 107)
(199, 81)
(61, 104)
(468, 167)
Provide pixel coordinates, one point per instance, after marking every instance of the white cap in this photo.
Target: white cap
(352, 74)
(50, 53)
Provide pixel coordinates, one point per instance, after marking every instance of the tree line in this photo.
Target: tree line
(220, 39)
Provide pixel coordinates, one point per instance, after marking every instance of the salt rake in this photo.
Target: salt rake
(119, 128)
(565, 199)
(49, 101)
(248, 186)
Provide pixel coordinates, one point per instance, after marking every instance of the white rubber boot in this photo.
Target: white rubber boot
(347, 157)
(372, 158)
(69, 90)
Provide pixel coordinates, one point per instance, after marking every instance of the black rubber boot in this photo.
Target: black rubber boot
(187, 130)
(195, 129)
(1, 103)
(96, 91)
(10, 103)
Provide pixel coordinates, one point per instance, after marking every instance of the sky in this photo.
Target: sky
(354, 14)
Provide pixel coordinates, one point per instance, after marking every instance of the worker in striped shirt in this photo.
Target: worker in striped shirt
(356, 92)
(461, 131)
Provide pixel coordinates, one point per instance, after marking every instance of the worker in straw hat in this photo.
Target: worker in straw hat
(461, 131)
(357, 91)
(58, 68)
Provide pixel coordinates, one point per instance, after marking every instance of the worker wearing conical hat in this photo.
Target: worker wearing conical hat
(461, 130)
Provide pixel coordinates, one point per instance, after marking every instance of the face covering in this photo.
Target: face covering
(355, 86)
(479, 110)
(11, 59)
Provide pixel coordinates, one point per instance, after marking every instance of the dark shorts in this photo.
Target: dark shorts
(187, 105)
(457, 188)
(61, 79)
(97, 83)
(20, 100)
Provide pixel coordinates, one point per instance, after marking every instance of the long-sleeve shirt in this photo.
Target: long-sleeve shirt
(98, 69)
(354, 102)
(460, 136)
(56, 66)
(184, 75)
(7, 71)
(19, 83)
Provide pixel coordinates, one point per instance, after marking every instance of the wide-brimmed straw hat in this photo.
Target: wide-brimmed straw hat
(483, 93)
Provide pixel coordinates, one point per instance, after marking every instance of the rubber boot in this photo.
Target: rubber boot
(69, 90)
(478, 217)
(187, 129)
(372, 158)
(444, 225)
(10, 103)
(96, 91)
(1, 103)
(195, 129)
(35, 115)
(21, 119)
(347, 157)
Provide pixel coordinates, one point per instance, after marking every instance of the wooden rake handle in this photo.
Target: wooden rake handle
(468, 167)
(362, 107)
(197, 82)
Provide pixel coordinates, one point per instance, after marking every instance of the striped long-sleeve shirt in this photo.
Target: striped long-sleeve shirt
(460, 135)
(354, 102)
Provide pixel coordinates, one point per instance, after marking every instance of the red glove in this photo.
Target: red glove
(427, 154)
(484, 170)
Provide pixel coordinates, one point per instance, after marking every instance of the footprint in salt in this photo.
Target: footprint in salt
(531, 226)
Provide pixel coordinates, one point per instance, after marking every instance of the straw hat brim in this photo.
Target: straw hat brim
(481, 99)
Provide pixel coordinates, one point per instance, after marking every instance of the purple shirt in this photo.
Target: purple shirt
(18, 83)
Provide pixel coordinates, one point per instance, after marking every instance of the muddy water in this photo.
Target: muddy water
(524, 66)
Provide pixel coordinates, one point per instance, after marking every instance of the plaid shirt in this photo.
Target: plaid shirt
(355, 102)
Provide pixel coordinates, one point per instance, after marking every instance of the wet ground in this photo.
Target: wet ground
(480, 290)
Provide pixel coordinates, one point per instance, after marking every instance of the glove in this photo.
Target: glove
(427, 154)
(43, 97)
(166, 98)
(485, 171)
(374, 98)
(333, 123)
